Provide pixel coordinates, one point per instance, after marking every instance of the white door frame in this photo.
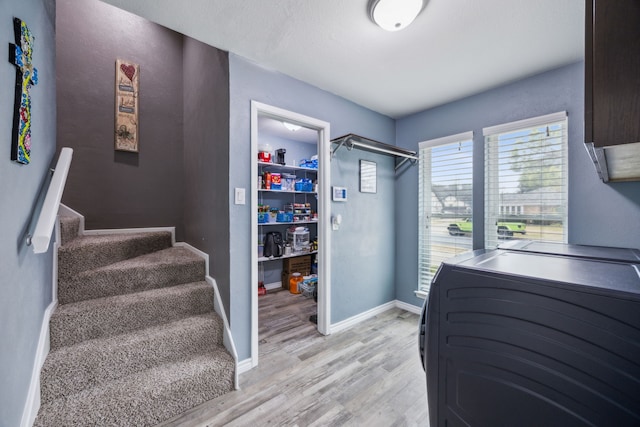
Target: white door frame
(324, 205)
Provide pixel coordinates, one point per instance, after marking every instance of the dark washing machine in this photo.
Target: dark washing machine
(534, 334)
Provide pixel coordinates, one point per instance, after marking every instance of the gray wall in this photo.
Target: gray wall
(250, 82)
(119, 189)
(599, 214)
(25, 287)
(206, 156)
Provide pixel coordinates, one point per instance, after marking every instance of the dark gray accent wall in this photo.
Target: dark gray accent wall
(115, 189)
(206, 157)
(361, 280)
(25, 284)
(599, 213)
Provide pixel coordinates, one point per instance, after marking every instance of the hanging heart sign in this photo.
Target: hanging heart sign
(128, 70)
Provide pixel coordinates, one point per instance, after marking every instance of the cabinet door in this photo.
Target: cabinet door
(612, 72)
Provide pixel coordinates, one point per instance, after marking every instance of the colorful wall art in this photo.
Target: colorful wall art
(20, 55)
(127, 75)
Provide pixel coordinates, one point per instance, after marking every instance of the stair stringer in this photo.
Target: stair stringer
(219, 309)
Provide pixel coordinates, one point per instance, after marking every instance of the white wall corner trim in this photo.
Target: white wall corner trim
(32, 404)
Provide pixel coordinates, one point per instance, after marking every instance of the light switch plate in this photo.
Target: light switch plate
(239, 198)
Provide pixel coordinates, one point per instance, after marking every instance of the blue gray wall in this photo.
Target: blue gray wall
(599, 214)
(249, 82)
(25, 287)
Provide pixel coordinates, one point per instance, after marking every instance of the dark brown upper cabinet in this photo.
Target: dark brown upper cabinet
(612, 88)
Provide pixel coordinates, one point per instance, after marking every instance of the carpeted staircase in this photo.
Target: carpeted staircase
(134, 339)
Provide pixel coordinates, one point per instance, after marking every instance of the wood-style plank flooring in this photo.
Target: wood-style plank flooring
(367, 375)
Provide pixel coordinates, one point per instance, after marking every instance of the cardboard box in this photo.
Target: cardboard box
(300, 264)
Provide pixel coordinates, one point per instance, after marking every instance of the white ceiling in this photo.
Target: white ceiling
(454, 48)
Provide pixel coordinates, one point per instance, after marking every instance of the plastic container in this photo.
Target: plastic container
(267, 180)
(288, 182)
(264, 153)
(299, 238)
(296, 278)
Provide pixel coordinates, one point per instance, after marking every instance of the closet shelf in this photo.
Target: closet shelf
(278, 166)
(356, 141)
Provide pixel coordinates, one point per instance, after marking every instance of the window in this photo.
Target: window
(526, 180)
(444, 202)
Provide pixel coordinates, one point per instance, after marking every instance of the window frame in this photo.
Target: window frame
(491, 177)
(424, 201)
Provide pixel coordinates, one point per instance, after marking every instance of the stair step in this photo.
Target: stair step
(69, 229)
(109, 316)
(89, 252)
(167, 267)
(72, 369)
(146, 398)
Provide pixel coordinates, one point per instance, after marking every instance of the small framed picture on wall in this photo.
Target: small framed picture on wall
(368, 171)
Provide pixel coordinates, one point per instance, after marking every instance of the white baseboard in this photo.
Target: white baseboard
(274, 285)
(408, 307)
(219, 309)
(100, 232)
(354, 320)
(32, 404)
(67, 211)
(245, 365)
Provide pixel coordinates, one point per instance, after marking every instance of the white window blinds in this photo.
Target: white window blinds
(444, 202)
(526, 180)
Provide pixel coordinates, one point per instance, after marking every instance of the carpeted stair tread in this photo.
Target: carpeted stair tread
(146, 398)
(167, 267)
(102, 317)
(88, 252)
(69, 229)
(72, 369)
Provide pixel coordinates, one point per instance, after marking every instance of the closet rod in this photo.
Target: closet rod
(351, 140)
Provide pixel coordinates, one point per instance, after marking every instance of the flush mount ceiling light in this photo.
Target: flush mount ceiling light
(394, 15)
(291, 126)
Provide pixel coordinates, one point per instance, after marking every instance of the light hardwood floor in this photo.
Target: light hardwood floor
(368, 375)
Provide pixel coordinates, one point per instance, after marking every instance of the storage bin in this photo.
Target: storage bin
(307, 289)
(284, 217)
(263, 217)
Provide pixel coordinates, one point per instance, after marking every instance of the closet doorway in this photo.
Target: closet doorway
(265, 121)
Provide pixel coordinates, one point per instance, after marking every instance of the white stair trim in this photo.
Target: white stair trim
(219, 309)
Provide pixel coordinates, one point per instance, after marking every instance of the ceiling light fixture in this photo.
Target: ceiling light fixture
(291, 126)
(394, 15)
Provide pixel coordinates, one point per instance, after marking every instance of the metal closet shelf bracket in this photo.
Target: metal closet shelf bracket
(352, 141)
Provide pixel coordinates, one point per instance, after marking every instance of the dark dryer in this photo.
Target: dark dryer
(534, 335)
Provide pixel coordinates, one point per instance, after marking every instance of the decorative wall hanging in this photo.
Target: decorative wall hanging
(20, 55)
(127, 75)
